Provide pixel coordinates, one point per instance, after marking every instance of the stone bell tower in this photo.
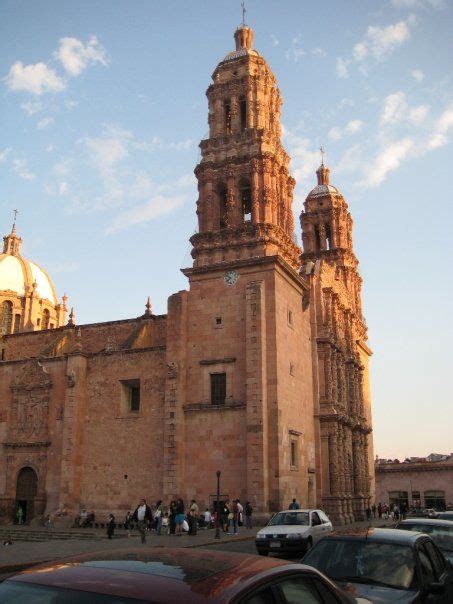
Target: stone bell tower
(242, 399)
(340, 334)
(245, 190)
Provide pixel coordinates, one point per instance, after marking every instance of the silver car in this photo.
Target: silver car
(292, 532)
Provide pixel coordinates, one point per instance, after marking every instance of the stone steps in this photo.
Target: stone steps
(26, 534)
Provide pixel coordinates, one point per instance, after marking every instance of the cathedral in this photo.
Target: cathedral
(259, 369)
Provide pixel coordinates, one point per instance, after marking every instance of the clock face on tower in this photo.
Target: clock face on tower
(230, 277)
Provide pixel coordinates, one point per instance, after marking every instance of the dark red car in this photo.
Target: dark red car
(170, 576)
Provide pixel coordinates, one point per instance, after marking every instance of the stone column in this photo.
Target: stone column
(257, 467)
(72, 433)
(175, 390)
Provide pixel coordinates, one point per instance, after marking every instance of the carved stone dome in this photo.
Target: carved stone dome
(28, 300)
(20, 275)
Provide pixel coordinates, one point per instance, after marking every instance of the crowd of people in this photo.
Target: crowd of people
(382, 510)
(177, 519)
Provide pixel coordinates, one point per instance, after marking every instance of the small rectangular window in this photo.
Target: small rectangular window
(218, 388)
(135, 398)
(293, 453)
(130, 396)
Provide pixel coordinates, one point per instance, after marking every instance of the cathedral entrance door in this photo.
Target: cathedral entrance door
(27, 486)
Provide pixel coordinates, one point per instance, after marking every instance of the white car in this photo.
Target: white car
(292, 531)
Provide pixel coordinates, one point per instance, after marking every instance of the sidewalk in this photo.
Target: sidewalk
(24, 553)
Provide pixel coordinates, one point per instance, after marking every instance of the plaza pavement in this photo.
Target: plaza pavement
(25, 553)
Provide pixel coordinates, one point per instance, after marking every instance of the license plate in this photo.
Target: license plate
(275, 544)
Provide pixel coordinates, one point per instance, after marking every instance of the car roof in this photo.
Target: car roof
(427, 521)
(298, 510)
(383, 535)
(166, 574)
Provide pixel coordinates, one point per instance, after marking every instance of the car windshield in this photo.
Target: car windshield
(386, 564)
(16, 592)
(298, 518)
(441, 535)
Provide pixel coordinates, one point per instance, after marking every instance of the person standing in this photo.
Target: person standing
(127, 521)
(158, 517)
(142, 516)
(294, 505)
(240, 513)
(248, 515)
(233, 519)
(179, 517)
(110, 526)
(20, 515)
(379, 510)
(172, 518)
(193, 513)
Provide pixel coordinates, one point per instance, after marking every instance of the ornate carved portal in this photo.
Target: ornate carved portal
(27, 442)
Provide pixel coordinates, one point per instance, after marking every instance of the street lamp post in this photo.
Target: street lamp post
(217, 530)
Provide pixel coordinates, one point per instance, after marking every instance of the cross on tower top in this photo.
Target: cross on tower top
(322, 154)
(244, 10)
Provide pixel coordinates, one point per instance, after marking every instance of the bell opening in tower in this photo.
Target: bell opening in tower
(227, 111)
(246, 201)
(243, 112)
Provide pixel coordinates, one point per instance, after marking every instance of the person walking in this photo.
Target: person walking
(248, 515)
(240, 513)
(158, 517)
(294, 505)
(379, 510)
(128, 521)
(110, 526)
(142, 516)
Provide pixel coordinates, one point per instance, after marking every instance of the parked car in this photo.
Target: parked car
(134, 576)
(441, 532)
(292, 532)
(445, 515)
(385, 565)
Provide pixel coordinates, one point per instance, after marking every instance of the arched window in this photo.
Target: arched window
(223, 197)
(16, 323)
(45, 319)
(246, 200)
(6, 317)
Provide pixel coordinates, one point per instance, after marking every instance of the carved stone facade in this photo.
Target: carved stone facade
(259, 369)
(339, 343)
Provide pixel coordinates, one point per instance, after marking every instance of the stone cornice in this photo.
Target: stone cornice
(258, 261)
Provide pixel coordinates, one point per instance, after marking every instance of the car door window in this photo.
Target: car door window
(315, 520)
(425, 564)
(325, 592)
(263, 596)
(436, 560)
(300, 589)
(323, 517)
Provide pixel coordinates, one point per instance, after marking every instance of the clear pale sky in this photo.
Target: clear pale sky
(102, 109)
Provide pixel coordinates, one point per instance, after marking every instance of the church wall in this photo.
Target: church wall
(119, 443)
(215, 438)
(294, 396)
(93, 338)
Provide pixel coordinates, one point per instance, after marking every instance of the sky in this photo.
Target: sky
(102, 107)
